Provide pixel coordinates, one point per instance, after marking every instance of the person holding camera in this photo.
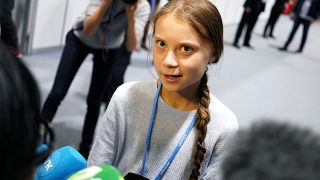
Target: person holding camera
(100, 31)
(140, 37)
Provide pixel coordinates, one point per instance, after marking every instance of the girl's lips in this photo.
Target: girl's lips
(172, 78)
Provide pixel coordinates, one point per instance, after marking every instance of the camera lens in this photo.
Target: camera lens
(129, 1)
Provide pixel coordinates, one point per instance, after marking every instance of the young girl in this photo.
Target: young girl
(172, 128)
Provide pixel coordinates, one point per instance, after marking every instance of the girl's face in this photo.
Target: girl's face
(180, 56)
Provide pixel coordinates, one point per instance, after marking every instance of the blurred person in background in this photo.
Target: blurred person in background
(20, 121)
(270, 150)
(305, 12)
(8, 28)
(275, 13)
(137, 33)
(252, 10)
(100, 31)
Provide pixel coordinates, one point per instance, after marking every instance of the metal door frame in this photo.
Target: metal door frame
(24, 15)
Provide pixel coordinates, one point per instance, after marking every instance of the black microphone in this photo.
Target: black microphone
(133, 176)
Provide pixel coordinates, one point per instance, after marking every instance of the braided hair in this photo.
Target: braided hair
(204, 118)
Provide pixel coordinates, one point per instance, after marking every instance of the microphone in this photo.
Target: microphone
(41, 149)
(61, 164)
(133, 176)
(103, 172)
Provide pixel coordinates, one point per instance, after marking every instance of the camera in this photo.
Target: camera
(129, 1)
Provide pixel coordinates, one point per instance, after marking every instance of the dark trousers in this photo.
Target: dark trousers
(306, 24)
(117, 75)
(273, 18)
(72, 57)
(249, 20)
(8, 28)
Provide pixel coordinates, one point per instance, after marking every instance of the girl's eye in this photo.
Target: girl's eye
(186, 49)
(161, 44)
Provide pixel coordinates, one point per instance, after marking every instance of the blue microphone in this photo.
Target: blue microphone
(61, 164)
(42, 148)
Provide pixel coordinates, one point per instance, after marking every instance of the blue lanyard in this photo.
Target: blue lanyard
(153, 6)
(176, 149)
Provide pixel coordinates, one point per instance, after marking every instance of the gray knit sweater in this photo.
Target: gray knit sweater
(121, 139)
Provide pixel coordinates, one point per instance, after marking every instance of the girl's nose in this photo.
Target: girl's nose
(170, 60)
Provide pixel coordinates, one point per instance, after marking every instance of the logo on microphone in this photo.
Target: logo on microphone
(48, 164)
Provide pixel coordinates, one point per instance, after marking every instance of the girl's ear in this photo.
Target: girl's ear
(212, 60)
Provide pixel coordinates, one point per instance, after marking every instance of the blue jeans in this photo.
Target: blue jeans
(116, 77)
(72, 57)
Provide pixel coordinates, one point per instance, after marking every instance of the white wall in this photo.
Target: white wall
(54, 18)
(231, 10)
(48, 24)
(74, 9)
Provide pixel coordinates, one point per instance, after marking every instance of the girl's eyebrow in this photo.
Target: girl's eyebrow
(157, 37)
(186, 43)
(189, 44)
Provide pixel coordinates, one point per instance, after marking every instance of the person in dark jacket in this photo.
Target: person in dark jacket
(252, 10)
(276, 11)
(8, 32)
(305, 12)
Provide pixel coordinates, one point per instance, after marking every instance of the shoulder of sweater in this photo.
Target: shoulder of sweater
(134, 88)
(222, 115)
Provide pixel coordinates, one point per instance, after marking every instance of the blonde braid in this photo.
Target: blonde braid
(204, 118)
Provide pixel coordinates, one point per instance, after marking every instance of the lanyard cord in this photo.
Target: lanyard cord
(152, 118)
(176, 149)
(153, 6)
